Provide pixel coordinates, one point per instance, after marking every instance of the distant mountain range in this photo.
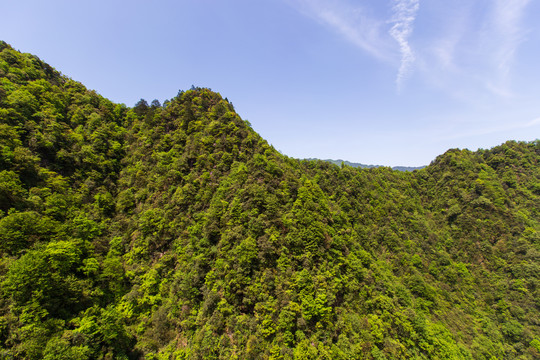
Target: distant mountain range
(364, 166)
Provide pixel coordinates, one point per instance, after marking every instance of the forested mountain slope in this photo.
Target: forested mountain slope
(177, 232)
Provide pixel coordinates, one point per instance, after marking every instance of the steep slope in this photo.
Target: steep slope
(176, 231)
(61, 151)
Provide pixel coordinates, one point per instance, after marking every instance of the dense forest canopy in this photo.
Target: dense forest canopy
(175, 231)
(359, 165)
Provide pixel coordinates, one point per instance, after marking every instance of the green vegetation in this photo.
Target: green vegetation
(364, 166)
(176, 232)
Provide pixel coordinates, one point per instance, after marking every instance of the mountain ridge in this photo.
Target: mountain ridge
(340, 162)
(175, 231)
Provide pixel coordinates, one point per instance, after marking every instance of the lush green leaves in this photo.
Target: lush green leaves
(176, 232)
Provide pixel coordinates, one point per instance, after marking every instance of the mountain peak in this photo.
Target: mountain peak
(176, 231)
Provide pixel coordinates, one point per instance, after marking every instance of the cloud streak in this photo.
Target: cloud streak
(472, 48)
(469, 51)
(404, 15)
(351, 22)
(357, 25)
(506, 28)
(507, 21)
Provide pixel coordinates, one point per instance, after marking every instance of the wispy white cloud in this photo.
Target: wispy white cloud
(507, 17)
(472, 47)
(357, 24)
(350, 21)
(404, 16)
(505, 34)
(453, 26)
(468, 50)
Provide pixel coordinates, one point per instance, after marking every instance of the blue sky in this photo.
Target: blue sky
(391, 82)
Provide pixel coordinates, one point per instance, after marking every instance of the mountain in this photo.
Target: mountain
(364, 166)
(175, 231)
